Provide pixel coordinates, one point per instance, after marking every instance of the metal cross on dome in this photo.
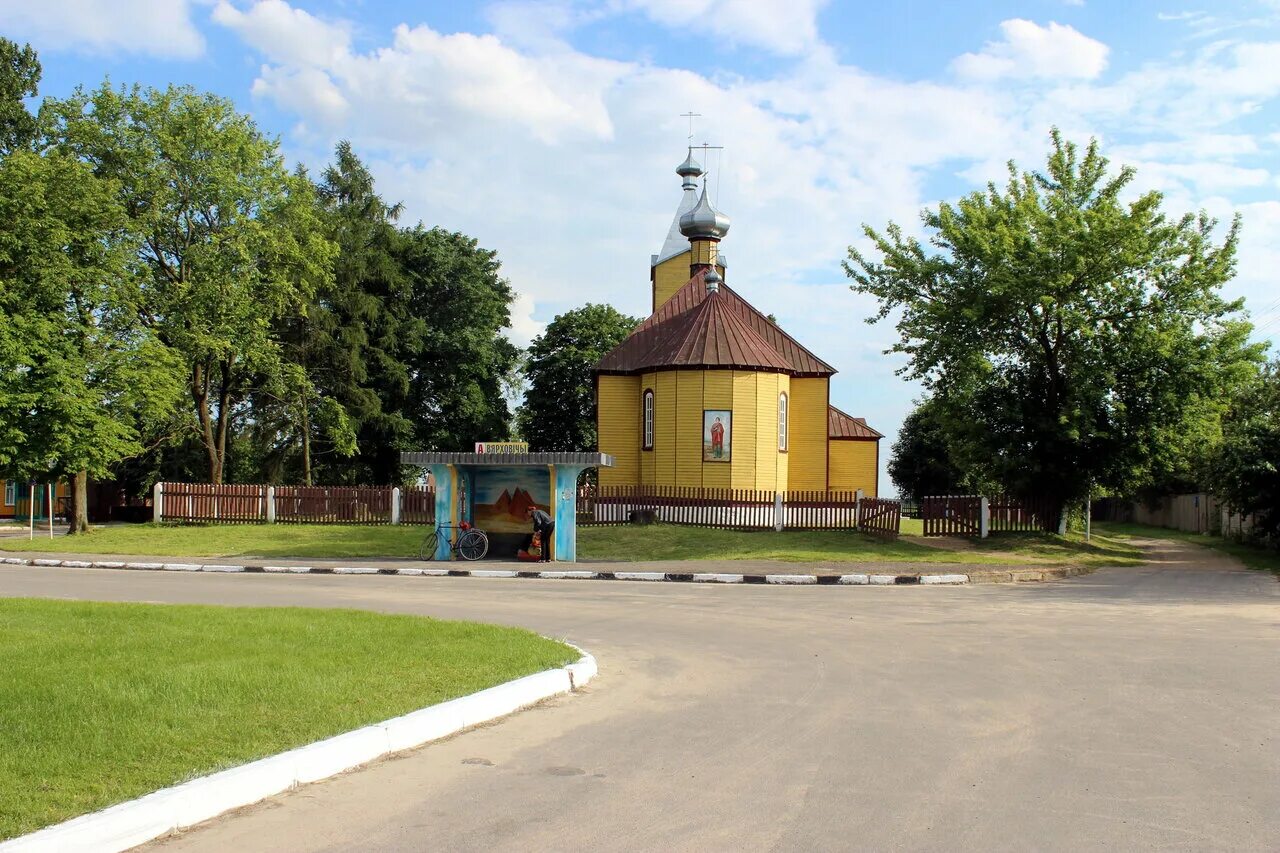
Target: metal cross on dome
(691, 116)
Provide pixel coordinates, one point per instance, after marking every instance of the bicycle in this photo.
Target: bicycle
(473, 544)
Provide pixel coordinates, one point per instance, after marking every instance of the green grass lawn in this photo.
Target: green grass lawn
(1253, 556)
(671, 542)
(101, 703)
(237, 540)
(657, 542)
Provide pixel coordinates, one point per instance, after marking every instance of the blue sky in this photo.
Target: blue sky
(550, 129)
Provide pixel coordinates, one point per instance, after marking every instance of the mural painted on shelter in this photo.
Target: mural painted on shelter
(503, 495)
(717, 435)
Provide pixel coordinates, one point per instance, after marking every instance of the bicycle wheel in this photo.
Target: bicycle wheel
(428, 549)
(474, 545)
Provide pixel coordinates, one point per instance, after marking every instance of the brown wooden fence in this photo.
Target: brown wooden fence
(881, 517)
(229, 504)
(742, 509)
(961, 515)
(951, 515)
(417, 505)
(208, 503)
(811, 510)
(1010, 514)
(332, 505)
(738, 509)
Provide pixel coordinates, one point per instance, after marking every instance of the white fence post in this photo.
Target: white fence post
(857, 509)
(778, 521)
(271, 504)
(984, 518)
(157, 502)
(395, 505)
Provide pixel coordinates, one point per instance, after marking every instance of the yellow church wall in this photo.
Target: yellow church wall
(853, 466)
(807, 435)
(664, 439)
(618, 426)
(689, 387)
(671, 275)
(745, 447)
(668, 277)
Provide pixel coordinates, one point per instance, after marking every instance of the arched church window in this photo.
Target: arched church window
(782, 422)
(648, 419)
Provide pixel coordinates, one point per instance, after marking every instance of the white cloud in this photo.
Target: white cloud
(157, 27)
(1030, 50)
(285, 34)
(782, 26)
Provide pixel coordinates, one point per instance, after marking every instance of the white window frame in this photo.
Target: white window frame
(646, 419)
(11, 492)
(784, 411)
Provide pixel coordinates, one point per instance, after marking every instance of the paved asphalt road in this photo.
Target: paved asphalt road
(1129, 709)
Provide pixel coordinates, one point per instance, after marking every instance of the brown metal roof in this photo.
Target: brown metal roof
(711, 335)
(650, 345)
(840, 425)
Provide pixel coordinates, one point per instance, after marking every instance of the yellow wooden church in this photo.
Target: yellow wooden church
(709, 392)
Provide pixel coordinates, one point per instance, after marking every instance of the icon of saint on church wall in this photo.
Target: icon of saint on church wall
(717, 435)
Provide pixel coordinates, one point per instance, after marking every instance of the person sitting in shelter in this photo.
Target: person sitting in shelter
(545, 527)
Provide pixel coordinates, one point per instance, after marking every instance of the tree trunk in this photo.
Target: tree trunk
(224, 415)
(79, 504)
(200, 394)
(306, 445)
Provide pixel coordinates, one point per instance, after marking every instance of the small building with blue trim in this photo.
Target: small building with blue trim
(493, 491)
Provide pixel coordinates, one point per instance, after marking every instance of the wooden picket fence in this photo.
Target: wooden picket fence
(738, 509)
(223, 504)
(881, 517)
(417, 505)
(332, 505)
(961, 515)
(951, 515)
(1014, 515)
(813, 510)
(259, 504)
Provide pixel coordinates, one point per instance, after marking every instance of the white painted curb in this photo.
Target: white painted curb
(785, 579)
(135, 822)
(551, 574)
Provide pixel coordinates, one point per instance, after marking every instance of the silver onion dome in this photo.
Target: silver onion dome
(712, 280)
(690, 170)
(704, 221)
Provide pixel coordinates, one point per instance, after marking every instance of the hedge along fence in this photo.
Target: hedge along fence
(230, 504)
(740, 509)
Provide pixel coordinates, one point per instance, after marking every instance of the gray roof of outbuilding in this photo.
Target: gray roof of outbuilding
(436, 457)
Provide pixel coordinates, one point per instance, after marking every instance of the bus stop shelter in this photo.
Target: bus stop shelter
(493, 491)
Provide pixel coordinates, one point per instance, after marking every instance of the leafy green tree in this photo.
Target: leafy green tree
(922, 462)
(1247, 468)
(559, 405)
(80, 379)
(19, 79)
(1070, 333)
(456, 354)
(229, 238)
